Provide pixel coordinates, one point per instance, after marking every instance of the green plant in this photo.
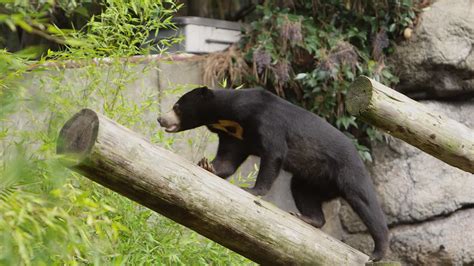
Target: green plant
(310, 51)
(52, 216)
(124, 28)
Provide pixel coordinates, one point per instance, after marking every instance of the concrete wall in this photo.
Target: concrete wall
(159, 81)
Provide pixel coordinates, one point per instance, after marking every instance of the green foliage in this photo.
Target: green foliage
(52, 216)
(125, 28)
(28, 25)
(107, 28)
(11, 68)
(310, 51)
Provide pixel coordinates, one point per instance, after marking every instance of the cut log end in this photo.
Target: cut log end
(77, 137)
(359, 95)
(410, 121)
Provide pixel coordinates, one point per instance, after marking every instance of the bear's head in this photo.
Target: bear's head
(192, 110)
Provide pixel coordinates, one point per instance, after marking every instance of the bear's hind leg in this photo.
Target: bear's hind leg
(360, 194)
(309, 204)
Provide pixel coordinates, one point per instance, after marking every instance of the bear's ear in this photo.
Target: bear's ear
(205, 91)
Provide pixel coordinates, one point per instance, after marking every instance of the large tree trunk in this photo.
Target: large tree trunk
(408, 120)
(123, 161)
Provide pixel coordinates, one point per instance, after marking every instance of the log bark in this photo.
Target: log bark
(123, 161)
(410, 121)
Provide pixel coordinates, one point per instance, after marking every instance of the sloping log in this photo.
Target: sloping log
(123, 161)
(410, 121)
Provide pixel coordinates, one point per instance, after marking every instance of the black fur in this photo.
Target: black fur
(323, 161)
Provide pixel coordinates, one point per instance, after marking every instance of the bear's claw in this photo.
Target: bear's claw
(205, 164)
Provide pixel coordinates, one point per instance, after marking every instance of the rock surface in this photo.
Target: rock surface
(429, 204)
(438, 60)
(443, 241)
(414, 186)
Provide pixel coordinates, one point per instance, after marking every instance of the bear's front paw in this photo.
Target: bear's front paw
(254, 191)
(313, 222)
(205, 164)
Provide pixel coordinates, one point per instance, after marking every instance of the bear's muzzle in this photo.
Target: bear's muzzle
(170, 121)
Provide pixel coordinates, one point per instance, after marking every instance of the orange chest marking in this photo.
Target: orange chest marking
(230, 127)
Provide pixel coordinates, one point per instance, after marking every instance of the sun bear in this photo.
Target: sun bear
(323, 161)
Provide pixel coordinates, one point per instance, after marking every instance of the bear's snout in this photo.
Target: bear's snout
(170, 121)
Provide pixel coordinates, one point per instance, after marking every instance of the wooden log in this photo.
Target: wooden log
(412, 122)
(123, 161)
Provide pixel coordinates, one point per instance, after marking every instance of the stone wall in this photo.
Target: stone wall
(429, 204)
(437, 62)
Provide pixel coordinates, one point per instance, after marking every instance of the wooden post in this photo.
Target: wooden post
(123, 161)
(408, 120)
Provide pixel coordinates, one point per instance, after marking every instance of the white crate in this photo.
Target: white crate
(203, 35)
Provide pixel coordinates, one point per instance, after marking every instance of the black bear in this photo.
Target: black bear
(323, 161)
